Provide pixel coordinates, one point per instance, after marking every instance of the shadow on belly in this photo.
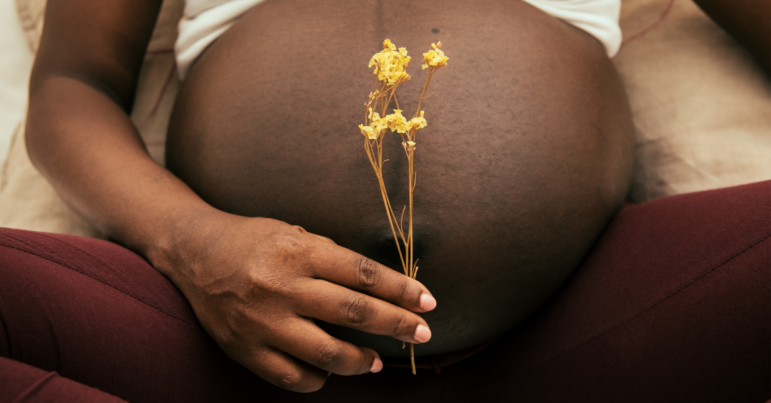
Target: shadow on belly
(526, 156)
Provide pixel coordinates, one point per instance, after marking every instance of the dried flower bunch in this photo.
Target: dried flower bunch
(390, 68)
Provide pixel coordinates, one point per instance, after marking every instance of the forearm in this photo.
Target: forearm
(749, 21)
(88, 149)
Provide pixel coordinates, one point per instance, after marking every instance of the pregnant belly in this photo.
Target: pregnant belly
(526, 155)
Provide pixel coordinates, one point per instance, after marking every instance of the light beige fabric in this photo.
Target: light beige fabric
(702, 111)
(27, 201)
(701, 107)
(31, 18)
(158, 83)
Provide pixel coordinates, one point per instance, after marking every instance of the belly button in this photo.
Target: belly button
(385, 248)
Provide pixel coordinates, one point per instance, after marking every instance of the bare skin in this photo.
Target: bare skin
(256, 283)
(527, 153)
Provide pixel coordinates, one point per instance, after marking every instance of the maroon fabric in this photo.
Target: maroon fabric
(23, 383)
(673, 304)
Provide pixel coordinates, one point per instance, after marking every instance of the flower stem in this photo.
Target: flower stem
(425, 87)
(412, 358)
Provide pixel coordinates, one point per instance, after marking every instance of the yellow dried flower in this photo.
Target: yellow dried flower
(390, 65)
(368, 132)
(397, 121)
(416, 123)
(388, 45)
(436, 57)
(371, 98)
(377, 123)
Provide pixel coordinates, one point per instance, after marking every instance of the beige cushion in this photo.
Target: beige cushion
(27, 201)
(31, 18)
(701, 107)
(702, 110)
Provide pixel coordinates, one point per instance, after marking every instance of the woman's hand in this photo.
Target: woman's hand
(256, 284)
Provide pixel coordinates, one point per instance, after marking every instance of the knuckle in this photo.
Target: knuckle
(355, 311)
(262, 285)
(292, 380)
(369, 273)
(289, 245)
(403, 288)
(328, 355)
(402, 325)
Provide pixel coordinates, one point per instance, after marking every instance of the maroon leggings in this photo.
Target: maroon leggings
(673, 304)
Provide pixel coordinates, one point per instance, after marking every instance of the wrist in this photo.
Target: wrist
(182, 239)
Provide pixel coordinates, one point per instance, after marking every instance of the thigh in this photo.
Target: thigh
(671, 305)
(102, 318)
(100, 315)
(23, 383)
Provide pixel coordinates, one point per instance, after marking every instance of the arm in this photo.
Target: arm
(252, 282)
(749, 21)
(79, 135)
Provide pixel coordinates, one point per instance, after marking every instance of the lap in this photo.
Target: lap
(671, 304)
(99, 314)
(21, 382)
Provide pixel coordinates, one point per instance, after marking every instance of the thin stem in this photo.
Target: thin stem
(401, 220)
(393, 94)
(384, 105)
(412, 358)
(386, 202)
(368, 150)
(380, 152)
(398, 226)
(411, 253)
(389, 212)
(374, 150)
(425, 87)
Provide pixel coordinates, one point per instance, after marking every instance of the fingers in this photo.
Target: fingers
(284, 371)
(302, 339)
(340, 306)
(351, 270)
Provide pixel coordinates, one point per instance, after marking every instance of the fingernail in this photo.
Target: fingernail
(377, 365)
(427, 302)
(422, 334)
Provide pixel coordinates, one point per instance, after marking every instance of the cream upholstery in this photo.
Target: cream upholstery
(27, 201)
(702, 110)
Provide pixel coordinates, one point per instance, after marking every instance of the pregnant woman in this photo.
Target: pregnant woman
(527, 154)
(267, 228)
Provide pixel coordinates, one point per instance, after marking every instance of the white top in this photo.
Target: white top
(597, 17)
(205, 20)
